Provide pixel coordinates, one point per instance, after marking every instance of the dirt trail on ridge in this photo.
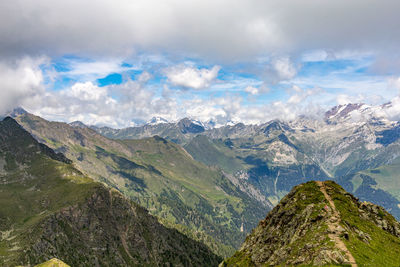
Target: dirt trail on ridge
(334, 224)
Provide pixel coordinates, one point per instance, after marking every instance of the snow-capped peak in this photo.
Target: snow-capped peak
(197, 122)
(342, 111)
(156, 120)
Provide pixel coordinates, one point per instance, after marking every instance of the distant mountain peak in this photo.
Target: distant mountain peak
(341, 111)
(156, 120)
(16, 112)
(187, 125)
(78, 124)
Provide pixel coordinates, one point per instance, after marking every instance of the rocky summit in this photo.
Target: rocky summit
(319, 223)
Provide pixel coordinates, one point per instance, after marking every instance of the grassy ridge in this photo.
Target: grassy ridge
(297, 232)
(381, 248)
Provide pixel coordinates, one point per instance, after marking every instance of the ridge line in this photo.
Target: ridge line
(333, 224)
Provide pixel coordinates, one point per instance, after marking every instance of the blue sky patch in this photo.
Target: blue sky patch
(114, 78)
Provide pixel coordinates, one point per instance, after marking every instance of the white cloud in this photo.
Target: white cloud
(395, 82)
(279, 69)
(82, 70)
(393, 111)
(251, 90)
(86, 91)
(191, 77)
(331, 55)
(207, 28)
(301, 95)
(21, 81)
(144, 77)
(100, 68)
(284, 68)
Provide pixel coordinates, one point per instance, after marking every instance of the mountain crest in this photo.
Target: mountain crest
(319, 223)
(20, 146)
(187, 125)
(341, 111)
(156, 120)
(78, 124)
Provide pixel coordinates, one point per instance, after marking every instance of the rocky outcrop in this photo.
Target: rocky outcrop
(319, 223)
(109, 230)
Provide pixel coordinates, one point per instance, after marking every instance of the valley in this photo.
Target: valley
(214, 185)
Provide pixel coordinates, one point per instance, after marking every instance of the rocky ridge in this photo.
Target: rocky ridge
(319, 223)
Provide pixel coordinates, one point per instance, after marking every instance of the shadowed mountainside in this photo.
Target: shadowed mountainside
(50, 209)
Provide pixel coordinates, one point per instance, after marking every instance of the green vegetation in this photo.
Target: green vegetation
(214, 153)
(53, 263)
(275, 156)
(381, 248)
(162, 177)
(239, 259)
(387, 178)
(296, 232)
(36, 187)
(50, 209)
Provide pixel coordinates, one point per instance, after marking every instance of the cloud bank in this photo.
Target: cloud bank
(242, 60)
(224, 29)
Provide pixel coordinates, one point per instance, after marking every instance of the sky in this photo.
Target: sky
(120, 63)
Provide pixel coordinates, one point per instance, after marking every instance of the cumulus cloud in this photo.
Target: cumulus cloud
(86, 92)
(21, 81)
(191, 77)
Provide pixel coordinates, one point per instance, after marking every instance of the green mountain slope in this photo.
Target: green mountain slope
(161, 176)
(50, 209)
(275, 156)
(380, 184)
(268, 160)
(319, 223)
(214, 153)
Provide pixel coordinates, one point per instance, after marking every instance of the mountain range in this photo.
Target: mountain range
(201, 201)
(214, 184)
(356, 145)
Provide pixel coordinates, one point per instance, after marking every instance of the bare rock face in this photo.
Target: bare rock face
(377, 214)
(319, 223)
